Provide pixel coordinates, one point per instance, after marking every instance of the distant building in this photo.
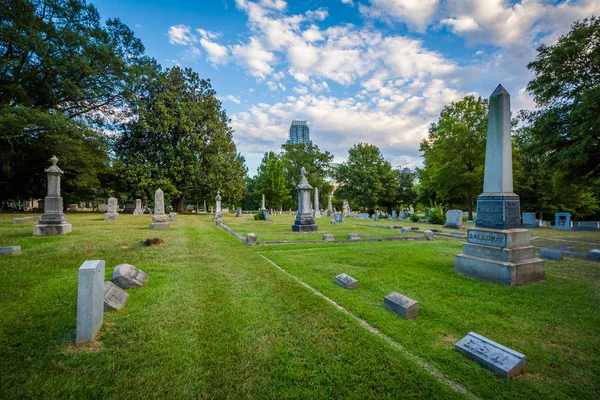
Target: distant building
(299, 133)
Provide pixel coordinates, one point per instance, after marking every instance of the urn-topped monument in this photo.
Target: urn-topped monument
(304, 220)
(53, 221)
(498, 249)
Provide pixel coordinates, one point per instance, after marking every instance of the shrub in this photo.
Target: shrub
(436, 214)
(414, 217)
(259, 216)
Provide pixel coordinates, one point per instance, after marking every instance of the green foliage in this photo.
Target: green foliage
(414, 217)
(270, 181)
(406, 192)
(454, 153)
(259, 216)
(180, 142)
(566, 89)
(436, 214)
(316, 163)
(366, 179)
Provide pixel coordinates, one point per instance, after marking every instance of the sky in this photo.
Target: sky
(371, 71)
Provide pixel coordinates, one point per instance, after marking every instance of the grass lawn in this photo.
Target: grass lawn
(215, 319)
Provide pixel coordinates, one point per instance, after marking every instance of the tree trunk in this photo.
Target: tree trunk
(178, 204)
(470, 206)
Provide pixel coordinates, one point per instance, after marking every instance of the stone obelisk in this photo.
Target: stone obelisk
(218, 211)
(53, 221)
(329, 206)
(304, 219)
(497, 249)
(317, 211)
(159, 219)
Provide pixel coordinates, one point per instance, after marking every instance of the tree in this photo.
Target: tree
(61, 73)
(405, 191)
(454, 153)
(366, 178)
(270, 181)
(180, 141)
(566, 90)
(316, 163)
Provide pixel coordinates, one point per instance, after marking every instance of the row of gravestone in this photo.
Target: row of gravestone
(95, 295)
(500, 359)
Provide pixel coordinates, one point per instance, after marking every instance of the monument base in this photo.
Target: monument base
(137, 212)
(305, 228)
(51, 229)
(452, 227)
(501, 256)
(111, 216)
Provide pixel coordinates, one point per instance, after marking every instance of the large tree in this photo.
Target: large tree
(454, 153)
(366, 179)
(180, 141)
(316, 163)
(62, 72)
(566, 89)
(270, 181)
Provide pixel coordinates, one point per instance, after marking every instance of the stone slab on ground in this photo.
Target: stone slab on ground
(251, 239)
(90, 300)
(7, 250)
(22, 220)
(550, 254)
(114, 297)
(328, 237)
(402, 305)
(346, 281)
(353, 236)
(126, 276)
(428, 234)
(594, 254)
(500, 359)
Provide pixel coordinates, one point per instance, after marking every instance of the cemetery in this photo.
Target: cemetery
(141, 258)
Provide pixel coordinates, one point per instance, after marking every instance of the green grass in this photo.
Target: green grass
(216, 320)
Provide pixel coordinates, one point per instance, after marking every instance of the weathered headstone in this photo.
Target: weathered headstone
(346, 281)
(498, 249)
(594, 254)
(127, 276)
(353, 236)
(404, 230)
(53, 221)
(266, 215)
(316, 212)
(138, 207)
(262, 207)
(304, 221)
(562, 221)
(549, 254)
(428, 234)
(374, 216)
(592, 226)
(500, 359)
(90, 300)
(401, 215)
(102, 208)
(363, 216)
(114, 296)
(329, 206)
(453, 219)
(394, 214)
(528, 220)
(329, 237)
(159, 219)
(218, 212)
(238, 212)
(112, 213)
(7, 250)
(400, 304)
(173, 216)
(338, 217)
(251, 239)
(128, 207)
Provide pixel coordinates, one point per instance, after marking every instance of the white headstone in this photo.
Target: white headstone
(453, 219)
(90, 300)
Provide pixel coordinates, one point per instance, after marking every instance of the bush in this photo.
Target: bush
(436, 214)
(414, 217)
(259, 216)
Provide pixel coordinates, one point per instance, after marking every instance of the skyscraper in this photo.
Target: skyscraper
(299, 133)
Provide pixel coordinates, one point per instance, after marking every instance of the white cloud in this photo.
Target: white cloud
(216, 53)
(180, 34)
(417, 14)
(461, 24)
(232, 98)
(255, 57)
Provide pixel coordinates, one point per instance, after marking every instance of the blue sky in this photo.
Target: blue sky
(375, 71)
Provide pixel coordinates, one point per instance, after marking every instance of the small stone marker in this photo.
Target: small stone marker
(332, 222)
(346, 281)
(428, 234)
(6, 250)
(114, 296)
(594, 255)
(127, 276)
(172, 216)
(400, 304)
(112, 212)
(251, 239)
(453, 219)
(354, 236)
(528, 219)
(138, 207)
(338, 217)
(328, 237)
(551, 254)
(22, 220)
(90, 299)
(159, 219)
(500, 359)
(404, 230)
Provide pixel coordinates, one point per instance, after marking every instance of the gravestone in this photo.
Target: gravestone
(304, 221)
(7, 250)
(345, 209)
(53, 221)
(266, 215)
(218, 211)
(528, 220)
(338, 217)
(363, 216)
(90, 300)
(428, 234)
(346, 281)
(328, 237)
(22, 220)
(540, 222)
(354, 236)
(262, 207)
(173, 216)
(394, 214)
(316, 212)
(238, 212)
(138, 207)
(128, 207)
(453, 219)
(401, 215)
(549, 254)
(500, 359)
(404, 230)
(594, 254)
(591, 226)
(114, 296)
(562, 221)
(251, 239)
(112, 213)
(498, 249)
(402, 305)
(127, 276)
(329, 206)
(159, 219)
(332, 222)
(374, 217)
(102, 208)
